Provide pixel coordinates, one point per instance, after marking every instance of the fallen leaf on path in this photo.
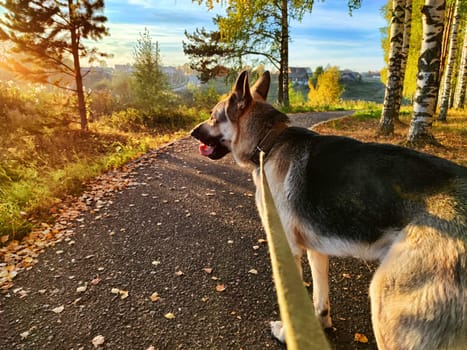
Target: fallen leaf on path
(24, 335)
(220, 287)
(154, 297)
(96, 281)
(179, 273)
(361, 338)
(169, 316)
(253, 271)
(58, 309)
(98, 340)
(81, 289)
(208, 270)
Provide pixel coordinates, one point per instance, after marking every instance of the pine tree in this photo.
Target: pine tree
(150, 83)
(49, 35)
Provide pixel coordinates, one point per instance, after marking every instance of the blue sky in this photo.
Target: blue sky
(326, 36)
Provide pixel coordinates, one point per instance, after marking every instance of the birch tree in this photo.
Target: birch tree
(450, 64)
(393, 82)
(405, 53)
(420, 130)
(459, 95)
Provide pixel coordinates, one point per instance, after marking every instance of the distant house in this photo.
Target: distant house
(299, 75)
(349, 76)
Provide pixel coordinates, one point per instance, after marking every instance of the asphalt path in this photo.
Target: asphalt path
(175, 260)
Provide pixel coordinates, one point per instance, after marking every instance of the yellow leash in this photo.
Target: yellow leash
(302, 328)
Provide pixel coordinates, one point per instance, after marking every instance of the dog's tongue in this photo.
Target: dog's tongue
(205, 150)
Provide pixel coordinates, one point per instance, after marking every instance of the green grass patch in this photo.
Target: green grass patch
(43, 164)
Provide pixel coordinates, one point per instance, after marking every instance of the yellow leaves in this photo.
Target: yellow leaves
(208, 270)
(58, 309)
(123, 293)
(169, 316)
(154, 297)
(360, 338)
(220, 288)
(81, 289)
(98, 340)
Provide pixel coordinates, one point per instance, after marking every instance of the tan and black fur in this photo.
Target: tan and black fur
(342, 197)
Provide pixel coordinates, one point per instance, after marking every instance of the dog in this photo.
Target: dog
(341, 197)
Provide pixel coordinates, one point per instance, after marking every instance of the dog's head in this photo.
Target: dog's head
(219, 133)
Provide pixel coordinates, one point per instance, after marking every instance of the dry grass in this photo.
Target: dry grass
(451, 135)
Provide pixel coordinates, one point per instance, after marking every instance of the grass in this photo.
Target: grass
(41, 165)
(452, 135)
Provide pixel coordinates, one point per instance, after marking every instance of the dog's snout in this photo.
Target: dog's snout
(195, 132)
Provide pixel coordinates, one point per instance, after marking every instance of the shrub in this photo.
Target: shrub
(127, 120)
(327, 91)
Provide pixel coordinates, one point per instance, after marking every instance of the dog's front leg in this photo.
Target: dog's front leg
(319, 264)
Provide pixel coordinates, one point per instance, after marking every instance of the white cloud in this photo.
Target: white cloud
(142, 3)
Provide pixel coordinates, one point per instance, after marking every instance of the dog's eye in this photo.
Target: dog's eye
(212, 120)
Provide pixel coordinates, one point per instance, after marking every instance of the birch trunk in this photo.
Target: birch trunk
(459, 96)
(420, 130)
(450, 66)
(405, 53)
(393, 82)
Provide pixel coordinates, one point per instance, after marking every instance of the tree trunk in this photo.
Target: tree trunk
(459, 96)
(77, 69)
(451, 62)
(280, 96)
(428, 70)
(393, 83)
(405, 54)
(285, 53)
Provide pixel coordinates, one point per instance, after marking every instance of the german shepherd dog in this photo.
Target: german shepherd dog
(342, 197)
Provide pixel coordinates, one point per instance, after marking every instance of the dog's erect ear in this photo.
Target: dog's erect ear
(240, 98)
(261, 88)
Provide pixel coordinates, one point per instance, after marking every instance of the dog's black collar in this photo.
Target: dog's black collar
(268, 141)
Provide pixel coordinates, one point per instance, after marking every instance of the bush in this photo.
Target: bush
(127, 120)
(327, 91)
(203, 97)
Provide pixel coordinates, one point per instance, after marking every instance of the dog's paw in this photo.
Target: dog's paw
(278, 331)
(325, 319)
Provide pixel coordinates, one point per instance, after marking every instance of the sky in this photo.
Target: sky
(326, 36)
